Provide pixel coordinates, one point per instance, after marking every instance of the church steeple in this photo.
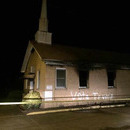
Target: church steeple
(43, 22)
(42, 35)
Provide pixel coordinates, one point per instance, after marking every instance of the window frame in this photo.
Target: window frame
(61, 87)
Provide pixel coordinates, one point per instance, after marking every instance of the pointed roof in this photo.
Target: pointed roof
(61, 53)
(69, 53)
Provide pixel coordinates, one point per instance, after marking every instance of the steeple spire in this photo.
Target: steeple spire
(43, 23)
(42, 35)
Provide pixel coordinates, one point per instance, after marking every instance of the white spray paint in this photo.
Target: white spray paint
(81, 96)
(84, 96)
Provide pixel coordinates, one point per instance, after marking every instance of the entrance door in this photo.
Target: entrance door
(31, 85)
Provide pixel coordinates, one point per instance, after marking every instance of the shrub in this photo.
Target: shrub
(32, 101)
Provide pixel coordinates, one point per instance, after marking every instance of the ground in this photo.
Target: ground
(12, 118)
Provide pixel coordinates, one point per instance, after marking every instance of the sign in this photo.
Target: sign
(48, 95)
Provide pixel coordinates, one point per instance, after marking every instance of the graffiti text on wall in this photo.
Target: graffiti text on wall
(95, 96)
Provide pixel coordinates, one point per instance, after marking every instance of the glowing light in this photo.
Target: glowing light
(12, 103)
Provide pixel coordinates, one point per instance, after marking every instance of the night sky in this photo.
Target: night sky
(94, 25)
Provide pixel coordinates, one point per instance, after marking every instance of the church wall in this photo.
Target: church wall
(97, 89)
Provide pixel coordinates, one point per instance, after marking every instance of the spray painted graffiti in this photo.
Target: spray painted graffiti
(85, 96)
(104, 96)
(81, 96)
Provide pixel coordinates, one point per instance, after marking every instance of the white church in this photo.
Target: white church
(69, 76)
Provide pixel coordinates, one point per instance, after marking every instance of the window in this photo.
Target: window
(38, 79)
(111, 77)
(60, 78)
(83, 78)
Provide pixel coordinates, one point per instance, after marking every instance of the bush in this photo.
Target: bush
(32, 101)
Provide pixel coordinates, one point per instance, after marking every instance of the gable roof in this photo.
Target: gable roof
(62, 53)
(68, 53)
(26, 57)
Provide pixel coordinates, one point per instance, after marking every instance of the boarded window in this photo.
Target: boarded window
(111, 77)
(83, 78)
(61, 78)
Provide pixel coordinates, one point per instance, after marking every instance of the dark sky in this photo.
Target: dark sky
(96, 25)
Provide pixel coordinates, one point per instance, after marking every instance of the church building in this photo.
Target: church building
(68, 76)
